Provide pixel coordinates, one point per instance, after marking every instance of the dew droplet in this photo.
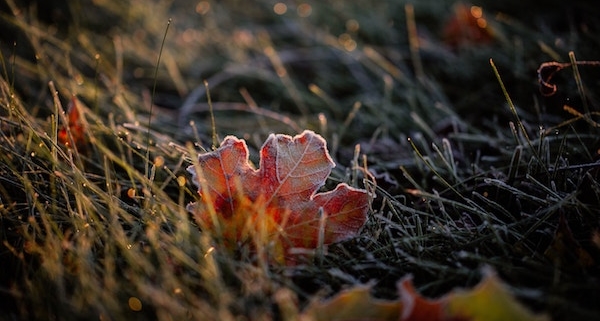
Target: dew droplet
(135, 304)
(181, 181)
(159, 161)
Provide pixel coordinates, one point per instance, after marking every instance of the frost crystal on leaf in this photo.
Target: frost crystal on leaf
(279, 199)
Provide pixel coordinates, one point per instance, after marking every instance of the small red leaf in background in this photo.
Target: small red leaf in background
(467, 26)
(279, 200)
(74, 127)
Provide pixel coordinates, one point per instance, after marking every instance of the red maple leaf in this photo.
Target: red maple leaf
(277, 201)
(73, 132)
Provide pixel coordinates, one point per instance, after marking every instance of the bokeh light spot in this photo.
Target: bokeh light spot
(352, 25)
(203, 7)
(476, 12)
(304, 10)
(346, 41)
(280, 8)
(135, 304)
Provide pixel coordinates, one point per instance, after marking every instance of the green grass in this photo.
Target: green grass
(473, 165)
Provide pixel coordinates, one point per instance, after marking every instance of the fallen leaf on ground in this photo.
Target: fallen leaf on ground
(490, 300)
(73, 132)
(418, 308)
(353, 304)
(278, 202)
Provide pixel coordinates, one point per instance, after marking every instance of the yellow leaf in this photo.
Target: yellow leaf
(354, 304)
(490, 300)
